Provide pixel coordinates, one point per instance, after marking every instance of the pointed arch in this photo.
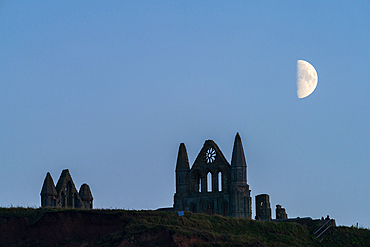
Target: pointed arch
(219, 181)
(209, 182)
(64, 199)
(199, 183)
(196, 181)
(69, 194)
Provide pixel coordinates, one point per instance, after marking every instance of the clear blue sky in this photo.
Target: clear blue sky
(109, 90)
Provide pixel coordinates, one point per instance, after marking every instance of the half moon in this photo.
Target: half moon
(306, 79)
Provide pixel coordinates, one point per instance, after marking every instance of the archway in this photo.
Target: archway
(209, 182)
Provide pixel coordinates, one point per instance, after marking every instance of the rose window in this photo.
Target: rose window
(210, 155)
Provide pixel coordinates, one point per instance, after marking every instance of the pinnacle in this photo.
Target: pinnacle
(238, 158)
(48, 187)
(85, 192)
(182, 158)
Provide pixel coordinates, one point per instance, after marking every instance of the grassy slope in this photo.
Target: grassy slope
(347, 236)
(224, 231)
(211, 230)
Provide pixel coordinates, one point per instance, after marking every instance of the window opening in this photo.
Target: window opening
(209, 182)
(219, 181)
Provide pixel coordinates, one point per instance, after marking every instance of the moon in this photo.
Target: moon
(306, 79)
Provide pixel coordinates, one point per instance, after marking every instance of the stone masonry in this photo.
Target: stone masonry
(280, 213)
(263, 209)
(212, 185)
(65, 195)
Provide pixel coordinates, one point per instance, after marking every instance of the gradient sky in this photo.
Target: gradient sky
(109, 90)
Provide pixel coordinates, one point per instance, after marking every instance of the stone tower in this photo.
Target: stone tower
(48, 192)
(65, 195)
(86, 196)
(182, 177)
(240, 194)
(209, 185)
(263, 209)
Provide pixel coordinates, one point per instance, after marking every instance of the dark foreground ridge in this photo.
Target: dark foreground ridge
(82, 227)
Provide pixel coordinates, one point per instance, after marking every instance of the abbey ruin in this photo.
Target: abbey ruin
(214, 186)
(65, 195)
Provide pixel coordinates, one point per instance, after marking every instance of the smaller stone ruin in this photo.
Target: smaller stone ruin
(280, 213)
(65, 195)
(263, 209)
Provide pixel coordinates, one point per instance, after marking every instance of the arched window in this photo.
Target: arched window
(219, 179)
(69, 194)
(209, 182)
(196, 181)
(199, 184)
(64, 199)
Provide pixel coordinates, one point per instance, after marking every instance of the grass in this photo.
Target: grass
(209, 230)
(219, 230)
(350, 236)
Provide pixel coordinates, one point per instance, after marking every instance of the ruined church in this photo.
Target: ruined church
(65, 195)
(212, 185)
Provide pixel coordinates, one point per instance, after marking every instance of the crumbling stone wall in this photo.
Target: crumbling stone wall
(263, 209)
(280, 213)
(65, 195)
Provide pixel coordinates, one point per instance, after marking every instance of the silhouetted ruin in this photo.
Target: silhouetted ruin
(280, 213)
(263, 209)
(65, 195)
(212, 185)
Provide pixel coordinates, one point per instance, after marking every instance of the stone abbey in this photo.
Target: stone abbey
(212, 185)
(65, 195)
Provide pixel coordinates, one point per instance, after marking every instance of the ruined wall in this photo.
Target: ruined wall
(65, 195)
(263, 209)
(280, 213)
(207, 186)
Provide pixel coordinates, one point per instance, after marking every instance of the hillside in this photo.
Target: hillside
(57, 227)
